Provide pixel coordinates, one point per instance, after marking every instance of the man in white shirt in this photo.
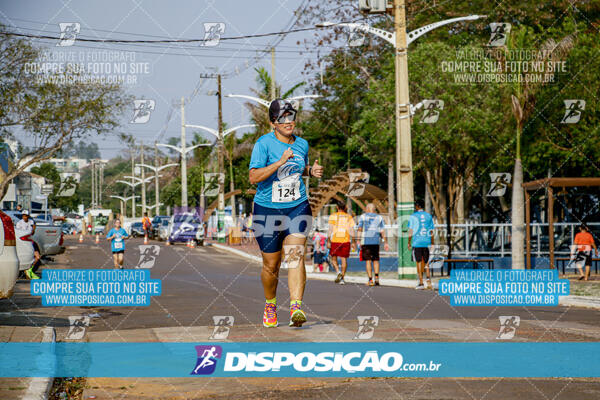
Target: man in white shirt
(26, 227)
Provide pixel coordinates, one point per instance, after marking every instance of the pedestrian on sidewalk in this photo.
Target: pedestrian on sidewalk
(585, 242)
(26, 227)
(319, 249)
(116, 236)
(420, 231)
(371, 230)
(341, 231)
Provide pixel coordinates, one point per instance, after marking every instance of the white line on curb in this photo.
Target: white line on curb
(39, 388)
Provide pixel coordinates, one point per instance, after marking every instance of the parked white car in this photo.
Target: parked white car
(47, 235)
(9, 263)
(24, 250)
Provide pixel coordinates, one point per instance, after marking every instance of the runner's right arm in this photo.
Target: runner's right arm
(260, 174)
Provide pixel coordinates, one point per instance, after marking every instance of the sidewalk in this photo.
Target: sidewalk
(252, 253)
(26, 388)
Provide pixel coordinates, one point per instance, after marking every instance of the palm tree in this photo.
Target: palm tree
(523, 99)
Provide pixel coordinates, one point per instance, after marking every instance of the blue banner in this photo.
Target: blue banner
(96, 287)
(474, 287)
(367, 359)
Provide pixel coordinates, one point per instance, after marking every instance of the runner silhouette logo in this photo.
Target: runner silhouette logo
(142, 108)
(508, 327)
(500, 31)
(366, 327)
(207, 359)
(573, 109)
(77, 326)
(223, 324)
(212, 33)
(68, 33)
(148, 254)
(499, 182)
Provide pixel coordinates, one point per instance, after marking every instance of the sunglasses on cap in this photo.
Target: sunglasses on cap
(287, 118)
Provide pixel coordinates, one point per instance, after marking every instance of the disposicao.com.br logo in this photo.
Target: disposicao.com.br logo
(322, 362)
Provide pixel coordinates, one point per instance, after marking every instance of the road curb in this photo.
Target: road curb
(320, 276)
(580, 301)
(240, 253)
(39, 388)
(572, 301)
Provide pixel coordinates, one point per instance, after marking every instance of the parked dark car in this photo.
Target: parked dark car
(68, 229)
(186, 227)
(137, 229)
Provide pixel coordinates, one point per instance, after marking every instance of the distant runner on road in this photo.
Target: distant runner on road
(117, 236)
(340, 233)
(281, 215)
(420, 230)
(371, 229)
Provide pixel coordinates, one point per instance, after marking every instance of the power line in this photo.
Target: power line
(118, 41)
(220, 48)
(176, 54)
(128, 33)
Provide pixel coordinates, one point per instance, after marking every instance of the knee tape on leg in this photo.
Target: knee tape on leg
(293, 255)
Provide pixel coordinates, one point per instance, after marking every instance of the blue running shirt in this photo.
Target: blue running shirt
(372, 224)
(117, 243)
(422, 226)
(287, 182)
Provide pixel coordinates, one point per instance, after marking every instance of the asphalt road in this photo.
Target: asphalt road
(200, 283)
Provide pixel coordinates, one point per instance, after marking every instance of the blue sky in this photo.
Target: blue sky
(174, 72)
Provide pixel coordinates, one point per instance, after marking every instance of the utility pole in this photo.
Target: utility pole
(143, 179)
(156, 166)
(273, 94)
(184, 197)
(101, 181)
(404, 174)
(92, 172)
(132, 184)
(221, 205)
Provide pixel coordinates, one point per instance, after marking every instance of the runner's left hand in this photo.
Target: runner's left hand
(317, 170)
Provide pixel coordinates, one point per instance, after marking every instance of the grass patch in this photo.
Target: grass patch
(67, 388)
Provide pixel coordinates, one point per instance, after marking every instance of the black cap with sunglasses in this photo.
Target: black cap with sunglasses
(282, 111)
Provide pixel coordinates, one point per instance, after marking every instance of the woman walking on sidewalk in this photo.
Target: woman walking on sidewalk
(282, 216)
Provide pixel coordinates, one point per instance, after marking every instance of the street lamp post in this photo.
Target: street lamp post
(124, 201)
(134, 182)
(156, 170)
(221, 200)
(404, 186)
(267, 103)
(153, 206)
(141, 181)
(183, 150)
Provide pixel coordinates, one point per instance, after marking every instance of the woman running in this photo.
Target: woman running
(282, 216)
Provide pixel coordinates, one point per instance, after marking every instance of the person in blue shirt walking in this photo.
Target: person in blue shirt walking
(420, 231)
(371, 229)
(116, 236)
(282, 216)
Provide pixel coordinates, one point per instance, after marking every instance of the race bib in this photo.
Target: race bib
(118, 245)
(285, 191)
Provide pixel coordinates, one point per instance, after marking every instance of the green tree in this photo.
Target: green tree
(52, 175)
(51, 113)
